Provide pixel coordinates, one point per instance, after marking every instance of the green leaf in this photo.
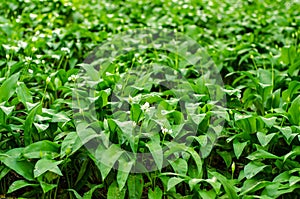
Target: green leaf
(269, 121)
(226, 157)
(287, 133)
(252, 185)
(28, 124)
(8, 87)
(5, 109)
(173, 182)
(264, 139)
(20, 184)
(228, 187)
(246, 123)
(261, 154)
(114, 192)
(294, 111)
(12, 160)
(47, 187)
(135, 184)
(70, 144)
(136, 112)
(123, 171)
(4, 170)
(108, 158)
(155, 194)
(156, 151)
(24, 95)
(253, 168)
(238, 148)
(41, 149)
(75, 193)
(211, 194)
(44, 165)
(294, 180)
(294, 152)
(179, 166)
(89, 194)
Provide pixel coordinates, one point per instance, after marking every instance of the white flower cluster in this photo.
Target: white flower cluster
(66, 50)
(73, 78)
(145, 107)
(166, 131)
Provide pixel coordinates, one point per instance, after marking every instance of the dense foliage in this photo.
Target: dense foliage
(255, 46)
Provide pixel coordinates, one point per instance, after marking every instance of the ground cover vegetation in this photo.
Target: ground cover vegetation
(255, 46)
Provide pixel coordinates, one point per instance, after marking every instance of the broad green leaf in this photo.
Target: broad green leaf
(12, 160)
(108, 158)
(135, 185)
(269, 121)
(294, 111)
(41, 149)
(44, 165)
(16, 185)
(287, 133)
(261, 154)
(136, 112)
(246, 123)
(156, 151)
(155, 194)
(176, 147)
(294, 180)
(60, 117)
(47, 187)
(70, 144)
(253, 168)
(8, 88)
(123, 171)
(173, 182)
(211, 194)
(5, 109)
(238, 148)
(282, 177)
(293, 88)
(179, 166)
(294, 152)
(226, 157)
(24, 95)
(264, 139)
(228, 187)
(114, 192)
(28, 124)
(41, 127)
(252, 185)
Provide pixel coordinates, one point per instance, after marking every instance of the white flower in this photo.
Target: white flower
(166, 131)
(72, 78)
(27, 59)
(145, 107)
(55, 56)
(32, 16)
(67, 50)
(34, 38)
(22, 44)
